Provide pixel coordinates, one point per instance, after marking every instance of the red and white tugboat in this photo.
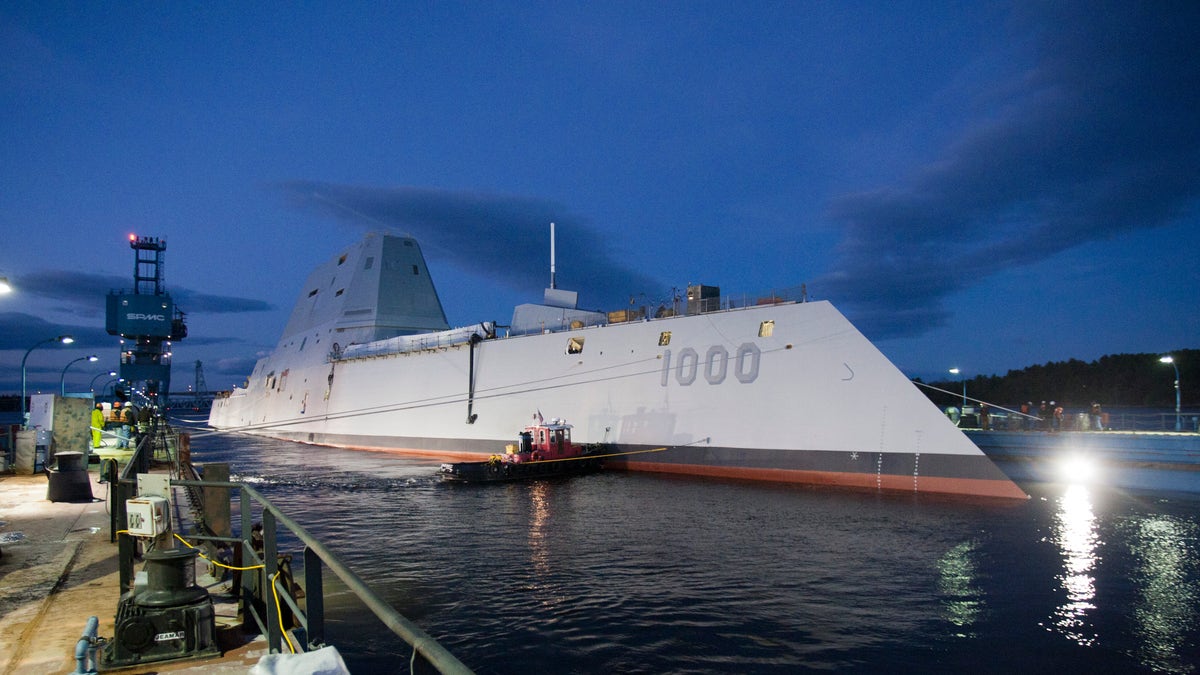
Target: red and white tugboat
(543, 450)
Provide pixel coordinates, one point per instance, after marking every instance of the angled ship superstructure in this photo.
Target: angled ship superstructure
(774, 389)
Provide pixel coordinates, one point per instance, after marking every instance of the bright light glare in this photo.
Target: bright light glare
(5, 287)
(1076, 468)
(1166, 359)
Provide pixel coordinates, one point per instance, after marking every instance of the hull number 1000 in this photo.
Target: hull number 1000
(714, 366)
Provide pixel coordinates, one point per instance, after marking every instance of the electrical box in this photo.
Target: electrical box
(146, 516)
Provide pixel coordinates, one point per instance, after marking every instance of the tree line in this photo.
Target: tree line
(1124, 380)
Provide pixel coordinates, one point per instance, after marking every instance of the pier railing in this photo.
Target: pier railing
(264, 591)
(1080, 421)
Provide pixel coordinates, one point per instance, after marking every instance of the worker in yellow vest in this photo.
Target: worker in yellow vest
(97, 424)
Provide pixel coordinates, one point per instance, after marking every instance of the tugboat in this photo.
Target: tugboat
(543, 450)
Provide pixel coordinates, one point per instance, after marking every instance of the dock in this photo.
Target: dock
(58, 567)
(64, 560)
(1153, 460)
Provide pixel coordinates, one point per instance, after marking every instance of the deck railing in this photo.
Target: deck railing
(258, 588)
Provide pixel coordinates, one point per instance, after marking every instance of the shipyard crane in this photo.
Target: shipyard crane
(148, 322)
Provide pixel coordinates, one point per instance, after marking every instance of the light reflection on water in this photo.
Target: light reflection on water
(1077, 540)
(1165, 548)
(641, 573)
(958, 584)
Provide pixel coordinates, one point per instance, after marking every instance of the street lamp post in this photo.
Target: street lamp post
(92, 386)
(65, 339)
(62, 382)
(113, 382)
(1171, 360)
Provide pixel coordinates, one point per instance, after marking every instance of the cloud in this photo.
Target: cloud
(86, 291)
(1100, 137)
(199, 341)
(78, 289)
(203, 303)
(229, 370)
(508, 236)
(22, 331)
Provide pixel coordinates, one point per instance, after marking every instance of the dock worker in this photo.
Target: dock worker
(113, 424)
(128, 422)
(97, 424)
(143, 421)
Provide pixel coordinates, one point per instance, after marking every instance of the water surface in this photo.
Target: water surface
(643, 573)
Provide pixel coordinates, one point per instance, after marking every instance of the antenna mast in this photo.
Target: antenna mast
(552, 256)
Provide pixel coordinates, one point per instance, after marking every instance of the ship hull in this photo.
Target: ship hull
(788, 392)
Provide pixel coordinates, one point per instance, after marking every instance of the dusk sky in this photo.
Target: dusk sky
(981, 185)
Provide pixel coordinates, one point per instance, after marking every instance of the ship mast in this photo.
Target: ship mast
(552, 255)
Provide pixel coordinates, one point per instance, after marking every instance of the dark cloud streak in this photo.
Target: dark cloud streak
(22, 331)
(504, 237)
(1100, 138)
(86, 291)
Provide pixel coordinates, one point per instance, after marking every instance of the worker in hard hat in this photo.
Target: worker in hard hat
(97, 424)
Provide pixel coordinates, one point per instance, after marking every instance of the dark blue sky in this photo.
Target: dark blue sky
(983, 185)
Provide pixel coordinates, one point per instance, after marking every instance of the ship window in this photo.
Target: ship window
(575, 345)
(342, 259)
(766, 329)
(312, 292)
(369, 263)
(664, 338)
(339, 292)
(415, 270)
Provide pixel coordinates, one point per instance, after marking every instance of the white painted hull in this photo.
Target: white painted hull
(813, 401)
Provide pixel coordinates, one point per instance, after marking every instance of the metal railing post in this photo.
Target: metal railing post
(271, 560)
(314, 598)
(116, 503)
(245, 596)
(126, 545)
